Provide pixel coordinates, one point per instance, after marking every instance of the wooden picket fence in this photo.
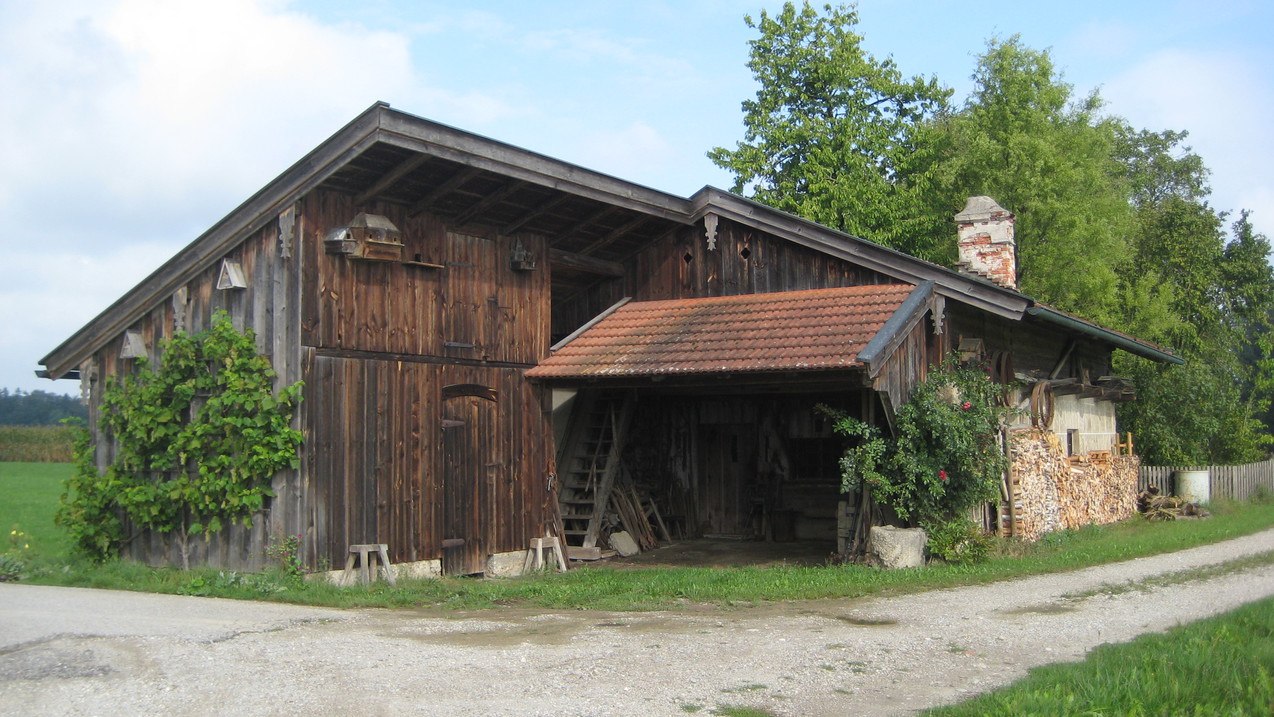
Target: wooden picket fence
(1233, 482)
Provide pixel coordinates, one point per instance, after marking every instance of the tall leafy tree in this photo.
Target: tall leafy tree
(1023, 138)
(835, 134)
(1113, 222)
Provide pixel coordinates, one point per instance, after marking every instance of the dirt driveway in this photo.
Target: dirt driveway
(70, 651)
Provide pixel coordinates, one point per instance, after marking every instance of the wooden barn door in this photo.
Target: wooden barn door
(467, 417)
(727, 472)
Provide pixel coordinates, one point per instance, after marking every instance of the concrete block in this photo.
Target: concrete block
(897, 547)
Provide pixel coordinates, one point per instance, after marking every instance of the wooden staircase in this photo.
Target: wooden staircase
(589, 464)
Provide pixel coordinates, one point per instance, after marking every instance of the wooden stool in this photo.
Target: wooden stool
(365, 555)
(539, 544)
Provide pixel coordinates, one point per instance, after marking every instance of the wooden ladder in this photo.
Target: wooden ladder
(589, 466)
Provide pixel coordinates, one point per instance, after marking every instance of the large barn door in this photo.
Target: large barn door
(727, 472)
(466, 410)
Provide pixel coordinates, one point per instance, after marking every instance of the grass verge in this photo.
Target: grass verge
(31, 492)
(1222, 665)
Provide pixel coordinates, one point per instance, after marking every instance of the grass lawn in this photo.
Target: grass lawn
(29, 495)
(31, 490)
(1220, 666)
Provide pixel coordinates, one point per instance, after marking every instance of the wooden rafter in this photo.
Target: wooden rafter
(540, 211)
(390, 178)
(586, 221)
(439, 191)
(586, 264)
(615, 235)
(488, 201)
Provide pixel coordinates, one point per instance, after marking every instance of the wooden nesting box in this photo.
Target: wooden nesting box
(370, 236)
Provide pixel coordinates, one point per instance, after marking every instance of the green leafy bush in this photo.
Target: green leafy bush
(946, 456)
(959, 541)
(196, 443)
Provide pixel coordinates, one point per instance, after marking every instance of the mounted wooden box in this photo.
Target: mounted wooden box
(370, 236)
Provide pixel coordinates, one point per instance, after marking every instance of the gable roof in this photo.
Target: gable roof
(596, 220)
(811, 330)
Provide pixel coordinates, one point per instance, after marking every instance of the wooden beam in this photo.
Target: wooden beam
(541, 211)
(410, 132)
(613, 236)
(1061, 360)
(587, 264)
(439, 191)
(488, 201)
(404, 168)
(588, 220)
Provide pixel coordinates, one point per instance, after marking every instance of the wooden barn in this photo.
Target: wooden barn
(496, 345)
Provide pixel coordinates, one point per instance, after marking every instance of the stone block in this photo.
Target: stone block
(893, 547)
(624, 544)
(508, 565)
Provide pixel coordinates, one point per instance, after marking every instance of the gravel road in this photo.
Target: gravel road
(75, 651)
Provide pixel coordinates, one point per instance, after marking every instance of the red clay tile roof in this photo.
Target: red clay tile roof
(820, 329)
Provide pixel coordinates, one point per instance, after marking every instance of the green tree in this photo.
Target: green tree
(835, 134)
(1023, 138)
(1217, 295)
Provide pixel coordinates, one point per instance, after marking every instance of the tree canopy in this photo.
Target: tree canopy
(1113, 221)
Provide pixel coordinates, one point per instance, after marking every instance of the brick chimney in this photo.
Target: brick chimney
(987, 249)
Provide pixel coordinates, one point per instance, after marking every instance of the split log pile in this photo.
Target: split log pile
(1055, 492)
(1152, 504)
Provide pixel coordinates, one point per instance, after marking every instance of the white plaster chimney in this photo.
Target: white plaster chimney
(987, 249)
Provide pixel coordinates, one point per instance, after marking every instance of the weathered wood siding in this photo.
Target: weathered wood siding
(265, 305)
(745, 261)
(376, 464)
(475, 300)
(387, 458)
(679, 265)
(1032, 347)
(908, 365)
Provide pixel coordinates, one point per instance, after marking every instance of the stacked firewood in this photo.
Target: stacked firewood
(1099, 489)
(1037, 458)
(1052, 491)
(1152, 504)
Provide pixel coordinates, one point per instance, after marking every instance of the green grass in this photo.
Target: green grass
(1220, 666)
(36, 443)
(30, 493)
(28, 497)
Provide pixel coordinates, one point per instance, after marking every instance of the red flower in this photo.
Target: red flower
(942, 475)
(966, 406)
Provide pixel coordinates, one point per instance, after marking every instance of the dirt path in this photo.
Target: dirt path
(69, 651)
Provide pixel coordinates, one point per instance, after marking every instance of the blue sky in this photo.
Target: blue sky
(130, 126)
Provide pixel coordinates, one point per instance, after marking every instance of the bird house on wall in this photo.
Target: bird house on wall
(521, 258)
(133, 346)
(369, 236)
(231, 276)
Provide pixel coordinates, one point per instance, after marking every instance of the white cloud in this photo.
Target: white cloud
(636, 152)
(145, 113)
(129, 127)
(1224, 100)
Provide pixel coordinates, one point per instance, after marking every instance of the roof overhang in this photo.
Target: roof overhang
(1128, 343)
(378, 126)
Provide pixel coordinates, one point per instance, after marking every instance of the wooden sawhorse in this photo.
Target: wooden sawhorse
(365, 555)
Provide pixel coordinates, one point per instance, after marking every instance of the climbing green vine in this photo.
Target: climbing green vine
(197, 441)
